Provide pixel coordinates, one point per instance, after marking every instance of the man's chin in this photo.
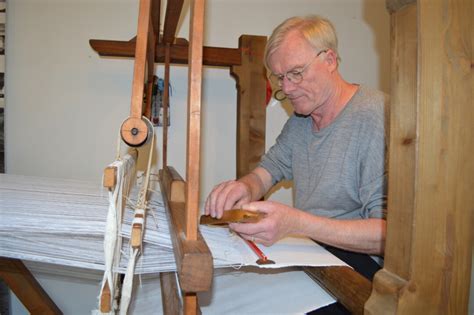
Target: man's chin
(300, 111)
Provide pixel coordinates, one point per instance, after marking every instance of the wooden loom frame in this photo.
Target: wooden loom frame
(411, 281)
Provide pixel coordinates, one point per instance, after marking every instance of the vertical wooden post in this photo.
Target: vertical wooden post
(169, 293)
(141, 54)
(166, 100)
(251, 107)
(194, 133)
(402, 157)
(402, 142)
(155, 18)
(134, 130)
(150, 70)
(445, 166)
(193, 148)
(153, 37)
(429, 237)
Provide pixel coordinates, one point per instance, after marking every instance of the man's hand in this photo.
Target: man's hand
(280, 221)
(225, 196)
(235, 193)
(358, 235)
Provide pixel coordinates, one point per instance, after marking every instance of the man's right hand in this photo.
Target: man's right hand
(225, 196)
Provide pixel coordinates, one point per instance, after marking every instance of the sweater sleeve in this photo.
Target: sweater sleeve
(372, 169)
(277, 161)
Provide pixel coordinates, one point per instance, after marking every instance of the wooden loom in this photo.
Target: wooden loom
(430, 204)
(406, 285)
(193, 258)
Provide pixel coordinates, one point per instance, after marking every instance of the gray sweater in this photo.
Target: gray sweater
(339, 171)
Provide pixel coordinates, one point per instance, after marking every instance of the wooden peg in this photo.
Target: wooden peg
(110, 177)
(138, 227)
(105, 305)
(136, 237)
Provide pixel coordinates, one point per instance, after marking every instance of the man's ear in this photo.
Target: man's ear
(331, 59)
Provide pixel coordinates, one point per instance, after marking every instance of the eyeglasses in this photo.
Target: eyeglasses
(294, 76)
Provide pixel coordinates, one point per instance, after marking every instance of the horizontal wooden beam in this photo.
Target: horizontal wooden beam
(212, 56)
(349, 287)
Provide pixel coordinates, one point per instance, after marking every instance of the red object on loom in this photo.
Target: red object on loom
(269, 93)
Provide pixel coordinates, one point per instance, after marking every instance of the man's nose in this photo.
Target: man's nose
(287, 86)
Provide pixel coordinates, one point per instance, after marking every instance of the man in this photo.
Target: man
(333, 148)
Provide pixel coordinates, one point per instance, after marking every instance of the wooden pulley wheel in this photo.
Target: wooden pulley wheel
(134, 131)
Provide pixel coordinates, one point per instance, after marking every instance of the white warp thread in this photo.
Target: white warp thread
(127, 285)
(112, 242)
(58, 221)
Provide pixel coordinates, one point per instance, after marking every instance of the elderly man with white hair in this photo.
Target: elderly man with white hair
(333, 148)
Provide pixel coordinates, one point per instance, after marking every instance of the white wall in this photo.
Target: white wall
(65, 104)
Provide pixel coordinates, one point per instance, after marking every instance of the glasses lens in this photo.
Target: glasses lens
(294, 76)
